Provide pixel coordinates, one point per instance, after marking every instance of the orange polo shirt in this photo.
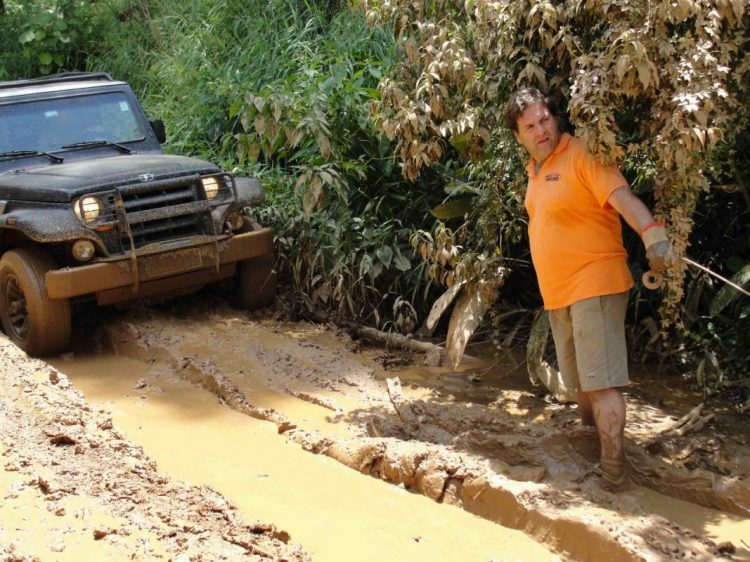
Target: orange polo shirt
(575, 235)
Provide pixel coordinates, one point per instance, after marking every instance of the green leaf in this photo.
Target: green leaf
(402, 263)
(452, 209)
(42, 18)
(45, 58)
(26, 37)
(234, 109)
(385, 255)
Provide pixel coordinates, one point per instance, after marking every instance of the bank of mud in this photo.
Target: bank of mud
(480, 440)
(517, 459)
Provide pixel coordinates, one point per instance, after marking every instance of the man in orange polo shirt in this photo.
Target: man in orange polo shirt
(574, 205)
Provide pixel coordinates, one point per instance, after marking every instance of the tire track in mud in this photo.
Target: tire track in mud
(64, 450)
(536, 477)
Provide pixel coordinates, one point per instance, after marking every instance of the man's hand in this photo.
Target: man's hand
(658, 249)
(660, 256)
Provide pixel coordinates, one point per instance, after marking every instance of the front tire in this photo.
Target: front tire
(34, 322)
(256, 282)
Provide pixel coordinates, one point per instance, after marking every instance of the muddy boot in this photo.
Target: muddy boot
(614, 474)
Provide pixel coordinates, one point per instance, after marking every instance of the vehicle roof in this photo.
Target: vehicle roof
(56, 83)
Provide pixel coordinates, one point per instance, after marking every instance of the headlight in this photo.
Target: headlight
(88, 209)
(83, 250)
(210, 187)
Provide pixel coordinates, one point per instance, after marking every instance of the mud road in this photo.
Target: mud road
(193, 431)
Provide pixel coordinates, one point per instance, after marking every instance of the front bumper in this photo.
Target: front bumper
(159, 272)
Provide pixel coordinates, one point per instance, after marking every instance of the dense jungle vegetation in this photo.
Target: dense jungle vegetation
(376, 128)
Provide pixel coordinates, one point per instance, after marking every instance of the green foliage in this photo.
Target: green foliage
(127, 45)
(287, 90)
(716, 316)
(50, 35)
(281, 89)
(344, 262)
(343, 213)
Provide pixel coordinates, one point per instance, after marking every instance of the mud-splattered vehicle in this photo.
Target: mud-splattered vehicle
(90, 207)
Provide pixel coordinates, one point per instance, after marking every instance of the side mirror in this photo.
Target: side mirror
(157, 125)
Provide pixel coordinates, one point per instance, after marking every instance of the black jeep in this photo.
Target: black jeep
(90, 207)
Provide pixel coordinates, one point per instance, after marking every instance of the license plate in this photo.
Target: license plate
(170, 263)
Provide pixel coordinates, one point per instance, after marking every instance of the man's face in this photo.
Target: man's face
(538, 131)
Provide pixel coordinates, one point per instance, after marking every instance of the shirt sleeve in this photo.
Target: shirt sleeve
(600, 179)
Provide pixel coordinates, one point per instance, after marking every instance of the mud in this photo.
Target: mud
(480, 440)
(74, 488)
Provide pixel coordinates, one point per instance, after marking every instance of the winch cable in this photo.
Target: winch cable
(652, 280)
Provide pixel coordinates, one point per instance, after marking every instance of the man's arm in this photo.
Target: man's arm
(639, 218)
(632, 209)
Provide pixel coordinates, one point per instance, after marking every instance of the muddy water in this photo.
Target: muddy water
(334, 512)
(715, 525)
(482, 380)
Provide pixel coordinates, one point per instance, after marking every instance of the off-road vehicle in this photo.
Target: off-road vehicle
(91, 208)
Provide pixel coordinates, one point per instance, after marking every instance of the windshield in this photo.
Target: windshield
(48, 125)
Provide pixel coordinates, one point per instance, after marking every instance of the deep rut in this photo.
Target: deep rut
(531, 475)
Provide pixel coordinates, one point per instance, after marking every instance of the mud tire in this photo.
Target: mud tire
(256, 282)
(34, 322)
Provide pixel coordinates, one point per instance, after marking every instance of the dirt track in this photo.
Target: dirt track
(490, 446)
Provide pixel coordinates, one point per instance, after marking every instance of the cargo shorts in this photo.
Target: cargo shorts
(590, 342)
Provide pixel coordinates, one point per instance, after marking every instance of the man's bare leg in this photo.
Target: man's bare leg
(585, 408)
(609, 413)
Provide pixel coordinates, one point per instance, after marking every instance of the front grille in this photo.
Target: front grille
(157, 227)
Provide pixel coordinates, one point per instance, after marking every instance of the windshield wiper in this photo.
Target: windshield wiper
(87, 144)
(24, 153)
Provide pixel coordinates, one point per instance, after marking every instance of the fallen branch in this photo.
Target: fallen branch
(691, 422)
(433, 353)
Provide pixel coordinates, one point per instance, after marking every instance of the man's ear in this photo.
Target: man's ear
(515, 134)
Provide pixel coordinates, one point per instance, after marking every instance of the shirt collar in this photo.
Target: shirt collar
(565, 139)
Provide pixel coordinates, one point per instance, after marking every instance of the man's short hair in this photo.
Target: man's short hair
(522, 99)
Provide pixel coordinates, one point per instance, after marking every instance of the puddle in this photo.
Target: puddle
(715, 525)
(335, 513)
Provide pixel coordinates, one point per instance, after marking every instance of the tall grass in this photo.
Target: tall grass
(343, 242)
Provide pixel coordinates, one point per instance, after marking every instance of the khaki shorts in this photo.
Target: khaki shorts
(590, 342)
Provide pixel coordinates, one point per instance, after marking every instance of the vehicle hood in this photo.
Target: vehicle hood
(60, 183)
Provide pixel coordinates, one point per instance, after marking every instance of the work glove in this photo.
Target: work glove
(658, 248)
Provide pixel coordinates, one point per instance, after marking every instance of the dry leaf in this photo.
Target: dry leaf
(442, 303)
(541, 371)
(467, 314)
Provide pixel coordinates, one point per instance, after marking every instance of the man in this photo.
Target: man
(574, 205)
